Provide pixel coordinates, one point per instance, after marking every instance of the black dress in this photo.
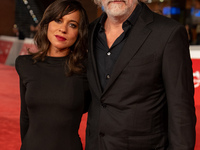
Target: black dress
(52, 104)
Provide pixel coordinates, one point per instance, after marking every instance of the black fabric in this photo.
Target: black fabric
(52, 104)
(148, 102)
(105, 56)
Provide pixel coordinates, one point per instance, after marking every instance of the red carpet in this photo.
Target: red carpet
(10, 106)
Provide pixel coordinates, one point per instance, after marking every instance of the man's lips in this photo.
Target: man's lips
(60, 38)
(116, 1)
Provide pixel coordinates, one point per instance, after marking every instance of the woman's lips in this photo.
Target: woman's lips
(60, 38)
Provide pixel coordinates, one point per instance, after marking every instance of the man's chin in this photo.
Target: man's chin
(115, 13)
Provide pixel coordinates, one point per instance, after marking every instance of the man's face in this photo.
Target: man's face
(117, 8)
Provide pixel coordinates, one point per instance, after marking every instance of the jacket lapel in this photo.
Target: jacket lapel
(137, 37)
(93, 77)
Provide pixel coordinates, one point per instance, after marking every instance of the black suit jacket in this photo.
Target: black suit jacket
(148, 101)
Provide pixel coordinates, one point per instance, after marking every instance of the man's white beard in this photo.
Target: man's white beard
(116, 10)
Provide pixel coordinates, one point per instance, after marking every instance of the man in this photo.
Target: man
(140, 75)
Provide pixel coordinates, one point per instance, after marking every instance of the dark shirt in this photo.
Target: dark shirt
(105, 56)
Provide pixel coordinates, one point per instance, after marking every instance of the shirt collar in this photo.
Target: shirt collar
(135, 14)
(102, 21)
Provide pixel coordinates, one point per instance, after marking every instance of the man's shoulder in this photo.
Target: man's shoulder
(93, 23)
(92, 26)
(166, 22)
(156, 18)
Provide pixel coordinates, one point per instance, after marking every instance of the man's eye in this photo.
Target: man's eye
(72, 25)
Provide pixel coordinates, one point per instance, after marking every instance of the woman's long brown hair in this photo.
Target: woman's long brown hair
(57, 10)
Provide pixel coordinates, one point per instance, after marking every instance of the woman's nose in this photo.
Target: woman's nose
(63, 29)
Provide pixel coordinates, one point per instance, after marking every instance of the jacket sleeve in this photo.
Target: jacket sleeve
(24, 118)
(178, 80)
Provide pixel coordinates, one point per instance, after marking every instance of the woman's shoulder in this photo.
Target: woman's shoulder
(22, 61)
(22, 58)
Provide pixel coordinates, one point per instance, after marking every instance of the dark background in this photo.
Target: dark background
(16, 12)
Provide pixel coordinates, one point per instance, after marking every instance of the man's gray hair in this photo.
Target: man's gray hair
(98, 2)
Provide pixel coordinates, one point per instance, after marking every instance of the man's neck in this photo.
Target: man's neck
(113, 29)
(116, 20)
(113, 23)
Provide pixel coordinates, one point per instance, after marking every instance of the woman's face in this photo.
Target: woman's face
(63, 33)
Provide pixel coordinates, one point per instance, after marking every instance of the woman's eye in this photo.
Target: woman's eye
(58, 20)
(72, 25)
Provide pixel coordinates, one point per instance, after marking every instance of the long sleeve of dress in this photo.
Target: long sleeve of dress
(24, 118)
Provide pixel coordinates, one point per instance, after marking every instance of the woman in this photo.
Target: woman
(53, 86)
